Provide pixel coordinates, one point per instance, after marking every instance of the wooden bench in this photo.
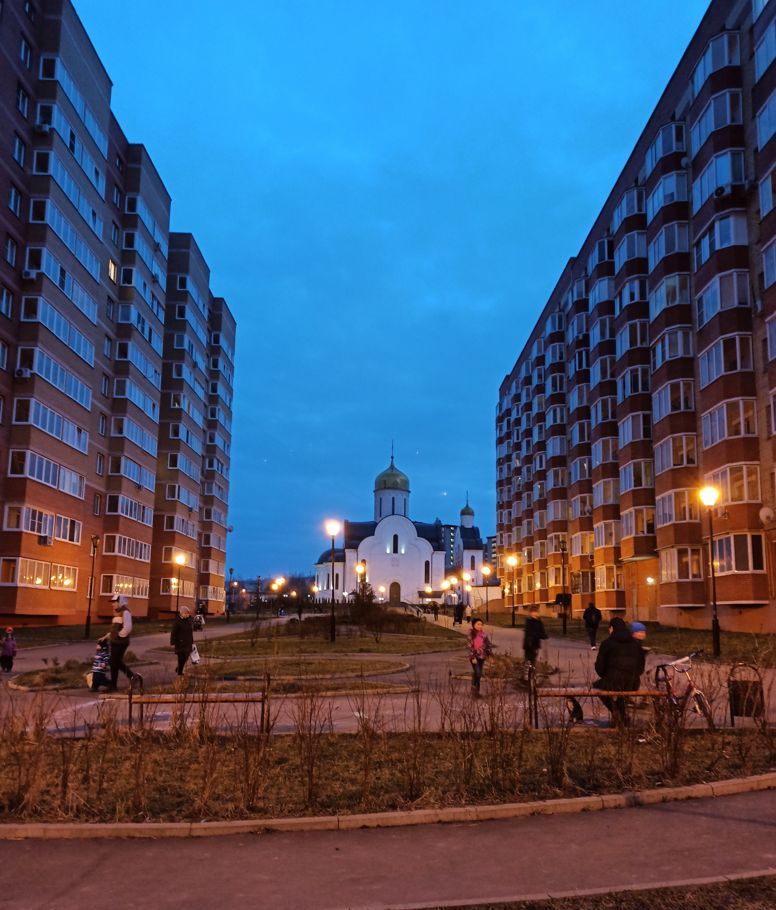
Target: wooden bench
(198, 698)
(535, 693)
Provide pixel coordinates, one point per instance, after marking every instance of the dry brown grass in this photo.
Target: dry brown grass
(748, 894)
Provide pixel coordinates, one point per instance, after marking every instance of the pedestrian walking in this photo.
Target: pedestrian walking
(619, 664)
(534, 634)
(182, 637)
(118, 641)
(479, 648)
(468, 613)
(7, 651)
(592, 620)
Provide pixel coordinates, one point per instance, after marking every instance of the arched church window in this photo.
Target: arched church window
(474, 563)
(393, 505)
(395, 543)
(427, 572)
(381, 507)
(336, 580)
(405, 508)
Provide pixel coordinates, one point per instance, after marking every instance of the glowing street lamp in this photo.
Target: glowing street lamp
(361, 578)
(709, 496)
(180, 561)
(332, 529)
(486, 570)
(512, 561)
(381, 592)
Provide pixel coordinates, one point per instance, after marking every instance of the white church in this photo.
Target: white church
(403, 560)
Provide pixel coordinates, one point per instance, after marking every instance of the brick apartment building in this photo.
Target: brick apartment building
(116, 361)
(652, 369)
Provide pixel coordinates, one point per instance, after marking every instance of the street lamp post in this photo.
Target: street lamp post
(180, 561)
(564, 607)
(88, 624)
(709, 496)
(465, 588)
(361, 581)
(512, 561)
(332, 529)
(486, 570)
(230, 603)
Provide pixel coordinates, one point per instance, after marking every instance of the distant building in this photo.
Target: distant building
(402, 557)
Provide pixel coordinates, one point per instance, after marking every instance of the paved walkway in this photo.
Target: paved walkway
(428, 866)
(574, 661)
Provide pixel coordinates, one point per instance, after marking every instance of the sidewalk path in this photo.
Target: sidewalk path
(432, 865)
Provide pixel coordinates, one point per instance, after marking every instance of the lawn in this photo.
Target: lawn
(114, 775)
(357, 642)
(736, 646)
(296, 666)
(34, 636)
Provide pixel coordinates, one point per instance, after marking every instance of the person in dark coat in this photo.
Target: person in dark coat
(118, 641)
(592, 620)
(533, 634)
(619, 664)
(182, 637)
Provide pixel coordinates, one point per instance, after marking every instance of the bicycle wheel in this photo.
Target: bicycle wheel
(701, 706)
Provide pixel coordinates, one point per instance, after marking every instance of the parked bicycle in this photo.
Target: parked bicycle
(666, 676)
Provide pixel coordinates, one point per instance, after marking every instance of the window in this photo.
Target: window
(601, 330)
(737, 483)
(604, 409)
(721, 173)
(601, 252)
(604, 450)
(639, 522)
(25, 52)
(723, 292)
(634, 381)
(633, 428)
(631, 203)
(636, 475)
(673, 343)
(720, 52)
(729, 420)
(766, 120)
(672, 238)
(608, 578)
(632, 246)
(676, 506)
(6, 301)
(669, 139)
(722, 110)
(580, 433)
(670, 188)
(738, 553)
(725, 231)
(633, 291)
(602, 290)
(581, 506)
(634, 335)
(14, 200)
(113, 271)
(676, 452)
(395, 544)
(601, 370)
(672, 291)
(730, 354)
(765, 52)
(606, 492)
(673, 397)
(19, 150)
(22, 101)
(10, 250)
(606, 534)
(680, 564)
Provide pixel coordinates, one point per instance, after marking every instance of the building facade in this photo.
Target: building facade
(651, 371)
(90, 359)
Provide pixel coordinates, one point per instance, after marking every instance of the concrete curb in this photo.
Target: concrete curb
(457, 814)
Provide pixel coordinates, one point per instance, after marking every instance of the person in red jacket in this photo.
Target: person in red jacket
(479, 649)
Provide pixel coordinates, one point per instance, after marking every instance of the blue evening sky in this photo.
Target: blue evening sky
(386, 193)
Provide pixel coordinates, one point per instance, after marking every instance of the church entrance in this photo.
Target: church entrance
(394, 593)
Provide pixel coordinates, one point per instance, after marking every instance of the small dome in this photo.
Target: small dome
(392, 479)
(467, 510)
